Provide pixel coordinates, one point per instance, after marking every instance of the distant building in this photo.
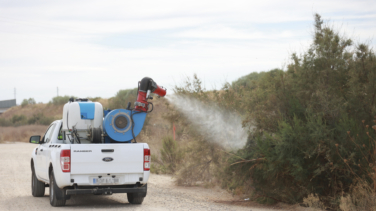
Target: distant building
(6, 104)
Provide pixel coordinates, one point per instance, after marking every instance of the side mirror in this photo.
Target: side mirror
(34, 139)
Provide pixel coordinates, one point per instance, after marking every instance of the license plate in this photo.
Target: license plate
(106, 180)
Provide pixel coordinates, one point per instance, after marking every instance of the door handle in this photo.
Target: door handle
(41, 150)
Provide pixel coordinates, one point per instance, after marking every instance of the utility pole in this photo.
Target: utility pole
(14, 92)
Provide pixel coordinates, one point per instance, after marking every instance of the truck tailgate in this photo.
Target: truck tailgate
(107, 158)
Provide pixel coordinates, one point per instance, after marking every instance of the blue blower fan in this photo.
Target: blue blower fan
(123, 125)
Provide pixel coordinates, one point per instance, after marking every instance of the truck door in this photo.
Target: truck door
(43, 153)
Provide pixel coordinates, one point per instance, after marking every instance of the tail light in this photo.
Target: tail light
(65, 158)
(147, 159)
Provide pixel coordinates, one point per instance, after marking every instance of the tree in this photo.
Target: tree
(24, 103)
(29, 101)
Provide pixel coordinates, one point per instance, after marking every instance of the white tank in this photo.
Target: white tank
(82, 115)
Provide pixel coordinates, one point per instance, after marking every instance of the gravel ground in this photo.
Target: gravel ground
(15, 191)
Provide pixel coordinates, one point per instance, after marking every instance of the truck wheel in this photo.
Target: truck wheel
(134, 198)
(97, 135)
(53, 189)
(37, 187)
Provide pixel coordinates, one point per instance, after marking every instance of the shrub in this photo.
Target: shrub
(360, 197)
(5, 122)
(24, 103)
(34, 119)
(21, 133)
(171, 156)
(313, 122)
(29, 101)
(40, 119)
(122, 98)
(202, 164)
(46, 120)
(313, 201)
(61, 100)
(19, 119)
(94, 99)
(310, 127)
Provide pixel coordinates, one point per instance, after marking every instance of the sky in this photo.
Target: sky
(90, 48)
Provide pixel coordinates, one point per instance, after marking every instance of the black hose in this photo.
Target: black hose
(134, 137)
(74, 131)
(152, 107)
(138, 88)
(68, 129)
(143, 85)
(78, 138)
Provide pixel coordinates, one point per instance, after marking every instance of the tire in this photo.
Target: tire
(37, 187)
(134, 198)
(97, 135)
(53, 189)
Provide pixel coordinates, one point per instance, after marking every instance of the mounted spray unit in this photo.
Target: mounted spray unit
(83, 121)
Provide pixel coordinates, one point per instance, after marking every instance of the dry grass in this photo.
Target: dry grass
(48, 110)
(201, 158)
(156, 127)
(313, 202)
(21, 133)
(103, 101)
(361, 197)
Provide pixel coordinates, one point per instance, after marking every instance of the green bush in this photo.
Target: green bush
(24, 103)
(5, 122)
(29, 101)
(45, 120)
(94, 99)
(313, 122)
(40, 119)
(312, 127)
(16, 120)
(19, 119)
(34, 119)
(122, 98)
(203, 161)
(61, 100)
(171, 156)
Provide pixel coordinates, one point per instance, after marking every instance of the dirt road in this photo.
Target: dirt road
(15, 190)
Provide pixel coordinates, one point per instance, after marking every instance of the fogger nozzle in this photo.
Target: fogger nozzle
(160, 91)
(147, 86)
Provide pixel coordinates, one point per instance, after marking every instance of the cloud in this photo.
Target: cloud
(218, 32)
(225, 32)
(95, 48)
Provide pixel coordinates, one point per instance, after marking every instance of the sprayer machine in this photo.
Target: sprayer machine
(87, 122)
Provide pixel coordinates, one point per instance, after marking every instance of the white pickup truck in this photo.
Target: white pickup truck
(70, 169)
(94, 151)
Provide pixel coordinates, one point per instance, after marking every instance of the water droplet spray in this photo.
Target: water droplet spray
(218, 125)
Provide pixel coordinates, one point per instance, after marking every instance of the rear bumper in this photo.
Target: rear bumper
(107, 190)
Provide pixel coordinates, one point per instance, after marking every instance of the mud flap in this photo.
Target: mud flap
(142, 194)
(60, 193)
